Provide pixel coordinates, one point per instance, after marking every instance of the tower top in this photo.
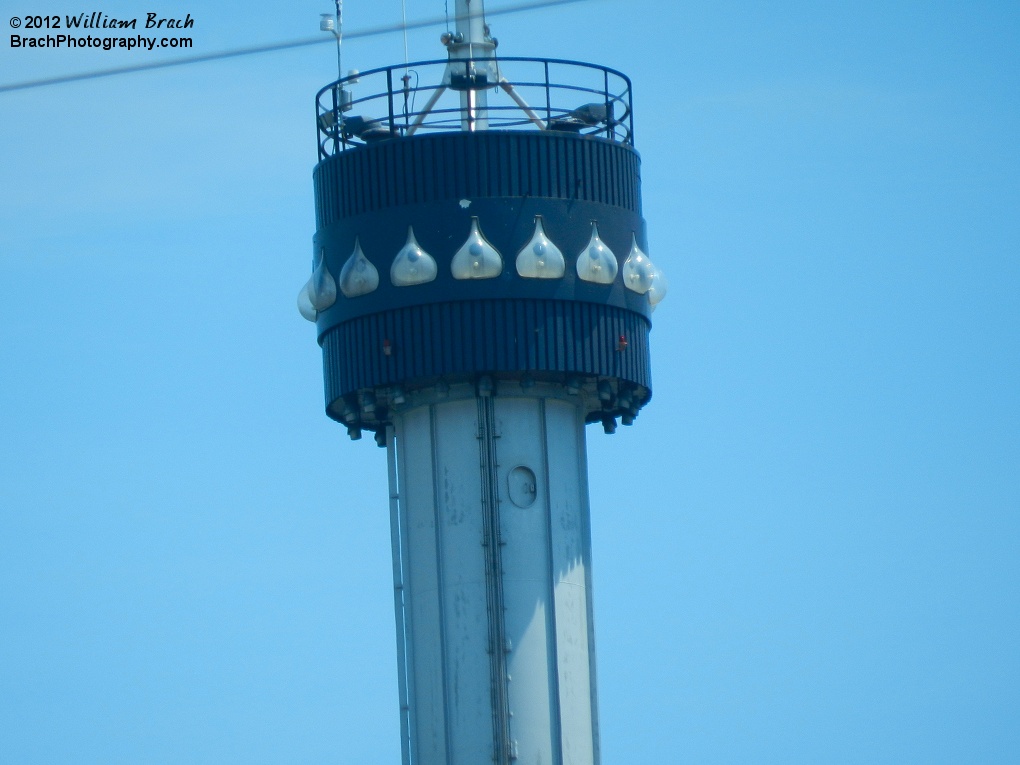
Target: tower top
(422, 97)
(479, 222)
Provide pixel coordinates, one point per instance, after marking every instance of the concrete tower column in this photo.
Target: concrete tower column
(495, 554)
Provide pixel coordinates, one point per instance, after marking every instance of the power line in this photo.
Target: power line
(271, 48)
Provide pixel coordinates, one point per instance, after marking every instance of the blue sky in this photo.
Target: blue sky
(806, 548)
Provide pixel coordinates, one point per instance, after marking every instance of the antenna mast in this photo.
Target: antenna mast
(470, 17)
(471, 70)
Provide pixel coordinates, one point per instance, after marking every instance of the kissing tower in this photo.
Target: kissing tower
(481, 291)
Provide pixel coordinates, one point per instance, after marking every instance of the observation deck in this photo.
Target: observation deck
(480, 218)
(424, 97)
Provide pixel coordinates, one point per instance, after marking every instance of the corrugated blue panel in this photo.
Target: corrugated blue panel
(474, 166)
(491, 336)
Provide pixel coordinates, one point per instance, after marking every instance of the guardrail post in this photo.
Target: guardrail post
(389, 98)
(548, 96)
(610, 120)
(338, 130)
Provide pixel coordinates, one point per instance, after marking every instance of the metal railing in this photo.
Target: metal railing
(400, 101)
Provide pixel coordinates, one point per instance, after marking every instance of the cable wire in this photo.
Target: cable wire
(269, 48)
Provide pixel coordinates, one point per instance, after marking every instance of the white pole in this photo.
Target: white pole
(470, 21)
(471, 42)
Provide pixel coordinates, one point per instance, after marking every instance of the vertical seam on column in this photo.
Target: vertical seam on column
(499, 693)
(590, 599)
(399, 592)
(555, 653)
(440, 584)
(405, 559)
